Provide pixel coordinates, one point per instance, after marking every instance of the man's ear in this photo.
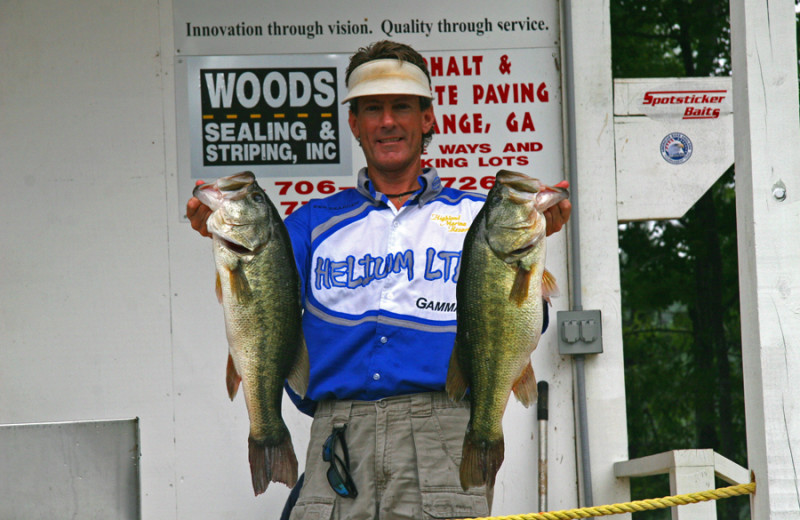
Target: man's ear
(428, 119)
(352, 120)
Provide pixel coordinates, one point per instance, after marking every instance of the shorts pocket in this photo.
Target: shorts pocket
(438, 440)
(440, 432)
(314, 509)
(454, 504)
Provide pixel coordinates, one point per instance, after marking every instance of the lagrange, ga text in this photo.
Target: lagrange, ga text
(352, 273)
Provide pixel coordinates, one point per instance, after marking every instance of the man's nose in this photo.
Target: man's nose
(387, 117)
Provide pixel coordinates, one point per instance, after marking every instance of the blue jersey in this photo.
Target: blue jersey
(379, 288)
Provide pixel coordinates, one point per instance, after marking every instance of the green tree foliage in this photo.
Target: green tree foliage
(680, 277)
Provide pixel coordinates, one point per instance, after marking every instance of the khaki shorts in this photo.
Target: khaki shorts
(404, 457)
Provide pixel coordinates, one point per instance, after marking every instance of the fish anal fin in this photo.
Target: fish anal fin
(519, 289)
(480, 461)
(456, 383)
(525, 386)
(232, 378)
(298, 376)
(218, 288)
(549, 286)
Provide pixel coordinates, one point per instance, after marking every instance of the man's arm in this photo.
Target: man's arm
(556, 216)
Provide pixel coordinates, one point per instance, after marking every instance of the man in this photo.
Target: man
(385, 440)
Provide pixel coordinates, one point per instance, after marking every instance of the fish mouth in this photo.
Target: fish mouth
(522, 251)
(236, 182)
(237, 248)
(519, 182)
(523, 190)
(212, 193)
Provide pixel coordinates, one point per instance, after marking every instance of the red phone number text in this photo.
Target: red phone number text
(289, 188)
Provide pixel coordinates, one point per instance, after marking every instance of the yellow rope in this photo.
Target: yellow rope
(638, 505)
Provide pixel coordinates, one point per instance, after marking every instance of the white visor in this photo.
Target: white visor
(387, 77)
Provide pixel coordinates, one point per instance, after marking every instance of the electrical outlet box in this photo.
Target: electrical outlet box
(579, 332)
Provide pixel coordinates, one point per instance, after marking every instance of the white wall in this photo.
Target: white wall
(85, 315)
(107, 307)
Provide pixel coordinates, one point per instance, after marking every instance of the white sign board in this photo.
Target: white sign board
(674, 138)
(260, 90)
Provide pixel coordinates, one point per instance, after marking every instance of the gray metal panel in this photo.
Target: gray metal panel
(70, 470)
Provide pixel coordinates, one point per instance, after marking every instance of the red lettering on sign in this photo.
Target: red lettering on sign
(513, 124)
(466, 66)
(701, 113)
(522, 147)
(466, 124)
(519, 160)
(465, 148)
(510, 93)
(450, 90)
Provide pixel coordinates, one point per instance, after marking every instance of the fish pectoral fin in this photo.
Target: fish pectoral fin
(232, 378)
(456, 384)
(519, 289)
(525, 386)
(240, 287)
(549, 287)
(298, 376)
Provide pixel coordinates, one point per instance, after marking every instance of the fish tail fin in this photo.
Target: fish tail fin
(298, 376)
(480, 461)
(271, 464)
(525, 386)
(232, 378)
(456, 384)
(549, 286)
(519, 289)
(259, 468)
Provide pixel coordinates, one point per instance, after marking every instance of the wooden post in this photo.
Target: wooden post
(767, 155)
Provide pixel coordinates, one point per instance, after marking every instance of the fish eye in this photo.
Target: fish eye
(258, 198)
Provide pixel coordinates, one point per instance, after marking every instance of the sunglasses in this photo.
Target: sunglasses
(339, 471)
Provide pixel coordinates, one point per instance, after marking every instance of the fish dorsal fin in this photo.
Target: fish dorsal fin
(549, 286)
(519, 289)
(298, 376)
(525, 386)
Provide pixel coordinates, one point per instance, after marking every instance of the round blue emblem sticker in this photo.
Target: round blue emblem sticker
(676, 148)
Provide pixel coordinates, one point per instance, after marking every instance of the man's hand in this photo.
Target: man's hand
(198, 214)
(558, 215)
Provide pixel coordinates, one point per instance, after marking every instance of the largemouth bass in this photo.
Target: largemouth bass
(501, 284)
(259, 289)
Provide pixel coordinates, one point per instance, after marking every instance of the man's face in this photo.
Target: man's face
(391, 128)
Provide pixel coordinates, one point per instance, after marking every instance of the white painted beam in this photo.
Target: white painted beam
(690, 471)
(598, 256)
(767, 155)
